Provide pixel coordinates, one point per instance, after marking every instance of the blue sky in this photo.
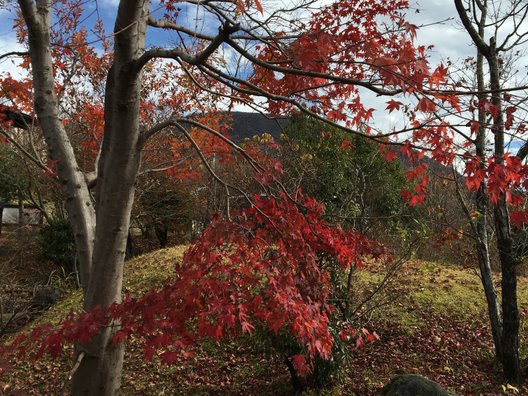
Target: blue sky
(448, 38)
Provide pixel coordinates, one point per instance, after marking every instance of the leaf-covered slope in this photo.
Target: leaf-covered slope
(435, 325)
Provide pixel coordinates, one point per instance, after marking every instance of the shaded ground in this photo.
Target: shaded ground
(435, 325)
(21, 273)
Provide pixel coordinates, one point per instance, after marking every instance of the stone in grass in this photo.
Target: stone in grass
(413, 385)
(44, 297)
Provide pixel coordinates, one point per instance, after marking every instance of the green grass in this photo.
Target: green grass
(140, 275)
(421, 286)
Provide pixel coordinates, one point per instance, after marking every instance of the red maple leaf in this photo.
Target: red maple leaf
(426, 105)
(393, 105)
(259, 6)
(438, 76)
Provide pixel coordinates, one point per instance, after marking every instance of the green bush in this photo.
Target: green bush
(359, 188)
(57, 244)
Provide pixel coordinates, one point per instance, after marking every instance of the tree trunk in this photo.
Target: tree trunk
(99, 372)
(131, 249)
(73, 185)
(494, 312)
(482, 205)
(510, 310)
(510, 336)
(100, 245)
(20, 228)
(298, 383)
(510, 313)
(162, 233)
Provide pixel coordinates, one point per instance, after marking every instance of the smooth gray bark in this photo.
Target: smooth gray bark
(100, 233)
(100, 370)
(75, 191)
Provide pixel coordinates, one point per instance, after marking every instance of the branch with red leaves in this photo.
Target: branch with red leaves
(261, 268)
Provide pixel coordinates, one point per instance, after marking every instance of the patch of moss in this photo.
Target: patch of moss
(445, 289)
(151, 270)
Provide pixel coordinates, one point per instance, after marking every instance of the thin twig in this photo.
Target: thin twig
(76, 365)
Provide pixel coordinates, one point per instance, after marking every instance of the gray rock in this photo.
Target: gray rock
(46, 296)
(413, 385)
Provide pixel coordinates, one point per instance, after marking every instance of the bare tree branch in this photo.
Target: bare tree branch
(14, 53)
(198, 59)
(477, 39)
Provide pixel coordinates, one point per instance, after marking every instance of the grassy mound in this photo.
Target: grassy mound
(431, 320)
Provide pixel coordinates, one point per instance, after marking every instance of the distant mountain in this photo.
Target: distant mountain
(246, 125)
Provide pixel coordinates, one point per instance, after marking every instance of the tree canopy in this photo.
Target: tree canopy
(113, 105)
